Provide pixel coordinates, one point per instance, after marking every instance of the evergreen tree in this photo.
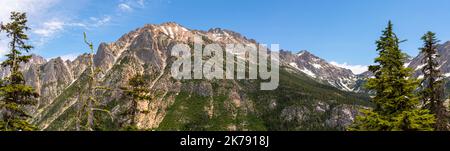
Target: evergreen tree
(396, 104)
(138, 91)
(432, 87)
(91, 104)
(14, 93)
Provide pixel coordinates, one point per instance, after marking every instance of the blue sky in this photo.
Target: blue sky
(342, 31)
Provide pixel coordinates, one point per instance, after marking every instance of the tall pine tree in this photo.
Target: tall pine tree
(14, 93)
(396, 104)
(432, 88)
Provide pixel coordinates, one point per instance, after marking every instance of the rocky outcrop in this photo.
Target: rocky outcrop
(335, 116)
(55, 77)
(294, 113)
(78, 65)
(342, 116)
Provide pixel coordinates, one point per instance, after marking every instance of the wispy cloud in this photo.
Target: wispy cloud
(125, 7)
(33, 8)
(49, 28)
(131, 5)
(356, 69)
(97, 22)
(48, 21)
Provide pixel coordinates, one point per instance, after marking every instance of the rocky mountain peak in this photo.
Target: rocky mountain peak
(228, 36)
(446, 44)
(225, 32)
(319, 69)
(305, 52)
(170, 30)
(36, 59)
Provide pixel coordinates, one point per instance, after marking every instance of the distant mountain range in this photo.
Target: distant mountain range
(344, 79)
(313, 94)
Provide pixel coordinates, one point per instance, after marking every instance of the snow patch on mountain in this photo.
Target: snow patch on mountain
(308, 72)
(447, 75)
(320, 69)
(421, 77)
(407, 64)
(293, 64)
(304, 70)
(344, 85)
(420, 66)
(315, 65)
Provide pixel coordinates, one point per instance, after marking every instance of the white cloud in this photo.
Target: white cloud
(49, 28)
(100, 21)
(356, 69)
(93, 22)
(44, 23)
(125, 7)
(31, 7)
(35, 9)
(77, 25)
(131, 5)
(47, 21)
(70, 57)
(52, 28)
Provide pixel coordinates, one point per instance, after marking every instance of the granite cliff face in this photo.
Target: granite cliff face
(307, 98)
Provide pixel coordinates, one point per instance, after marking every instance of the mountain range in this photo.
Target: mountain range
(313, 94)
